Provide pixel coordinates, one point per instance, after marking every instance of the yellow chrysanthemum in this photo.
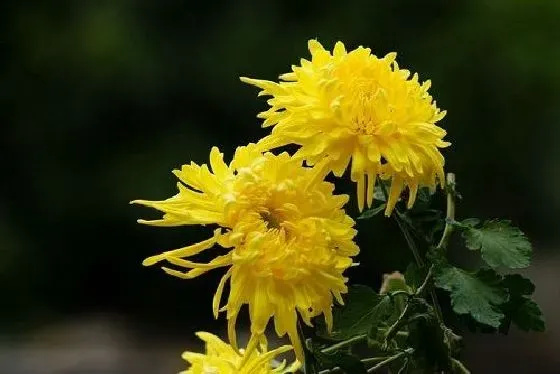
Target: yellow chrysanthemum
(221, 358)
(289, 238)
(355, 106)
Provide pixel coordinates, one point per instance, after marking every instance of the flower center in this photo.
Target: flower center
(365, 99)
(272, 221)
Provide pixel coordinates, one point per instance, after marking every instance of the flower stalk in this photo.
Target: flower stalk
(450, 213)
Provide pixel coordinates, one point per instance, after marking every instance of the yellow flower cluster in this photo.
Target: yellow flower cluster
(221, 358)
(286, 238)
(354, 106)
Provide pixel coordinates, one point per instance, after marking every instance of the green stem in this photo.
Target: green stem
(409, 239)
(392, 330)
(395, 326)
(426, 282)
(397, 217)
(387, 361)
(366, 361)
(306, 365)
(374, 360)
(400, 292)
(328, 371)
(437, 308)
(459, 367)
(450, 214)
(412, 245)
(355, 339)
(345, 343)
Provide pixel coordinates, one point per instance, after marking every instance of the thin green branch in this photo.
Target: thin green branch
(381, 362)
(366, 361)
(450, 214)
(355, 339)
(399, 292)
(374, 360)
(437, 308)
(412, 245)
(426, 282)
(306, 348)
(397, 217)
(392, 330)
(335, 369)
(459, 367)
(345, 343)
(409, 239)
(397, 324)
(387, 361)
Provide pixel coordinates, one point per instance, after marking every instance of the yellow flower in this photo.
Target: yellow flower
(288, 237)
(221, 358)
(355, 106)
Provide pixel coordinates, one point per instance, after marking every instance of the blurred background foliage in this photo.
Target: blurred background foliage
(102, 99)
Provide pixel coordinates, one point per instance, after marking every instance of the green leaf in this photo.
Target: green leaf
(518, 284)
(499, 243)
(414, 276)
(520, 309)
(475, 294)
(527, 315)
(348, 363)
(437, 257)
(372, 212)
(363, 311)
(469, 222)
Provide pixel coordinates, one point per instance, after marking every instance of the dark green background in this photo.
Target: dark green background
(102, 99)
